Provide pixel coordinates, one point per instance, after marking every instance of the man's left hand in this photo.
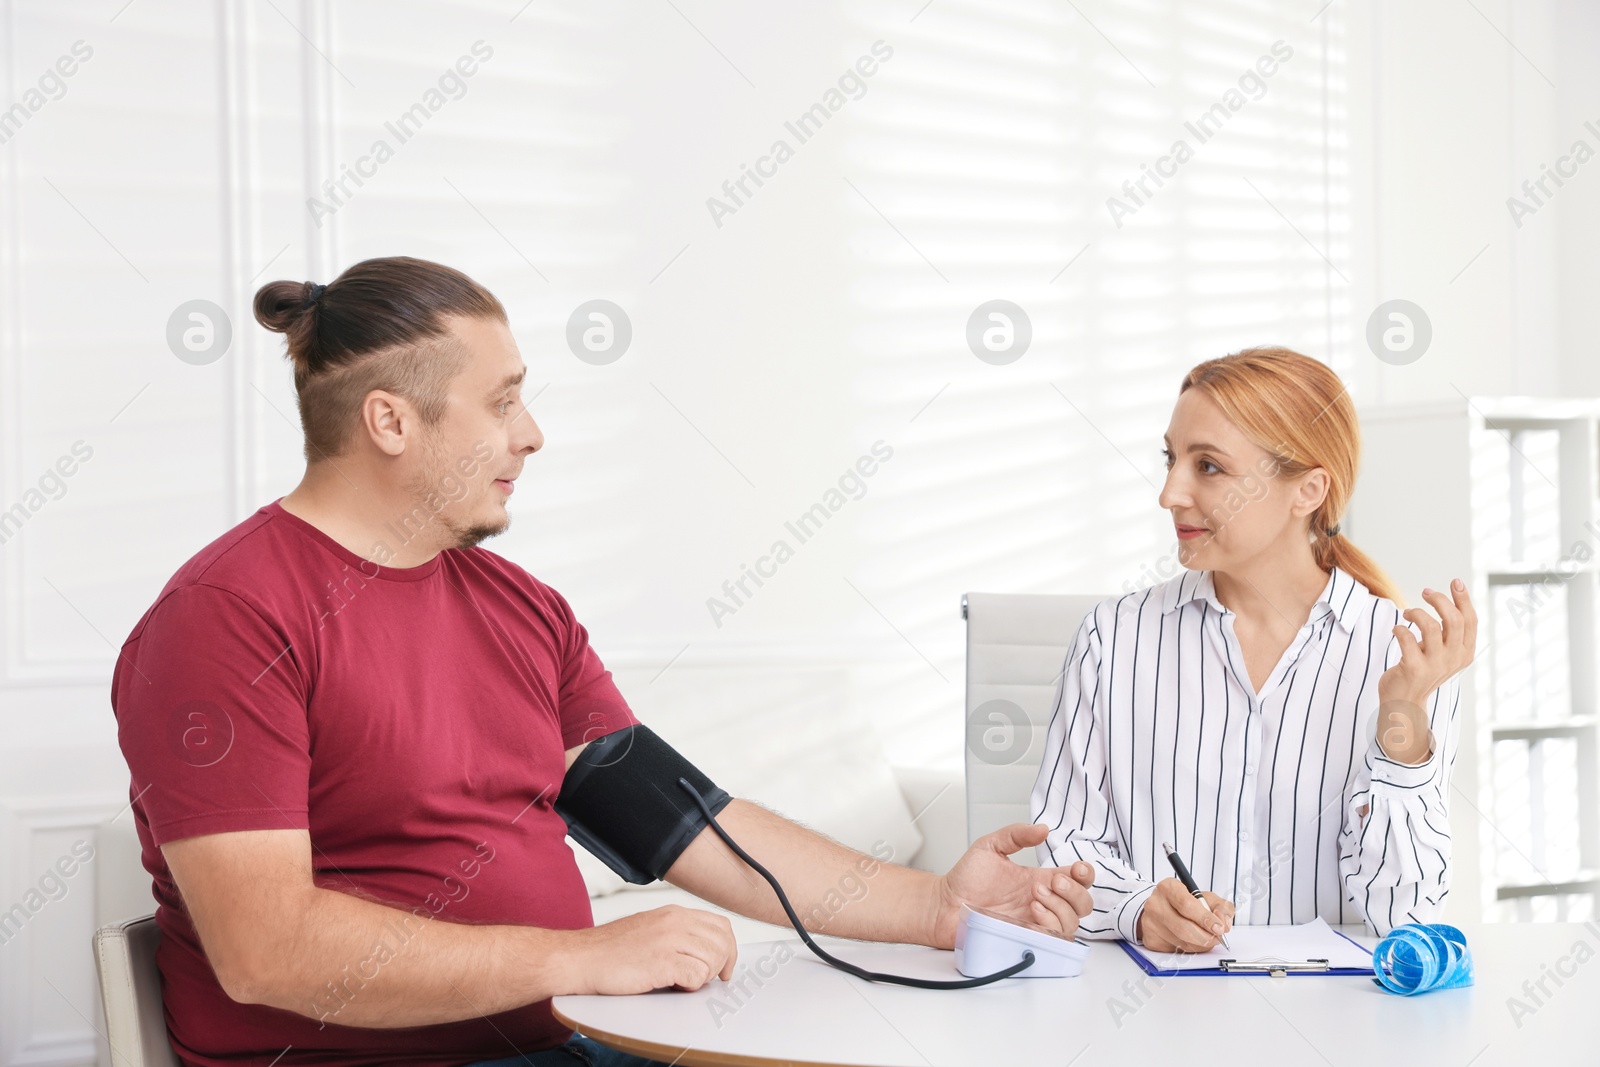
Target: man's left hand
(985, 876)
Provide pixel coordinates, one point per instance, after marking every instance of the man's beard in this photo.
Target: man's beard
(452, 534)
(458, 536)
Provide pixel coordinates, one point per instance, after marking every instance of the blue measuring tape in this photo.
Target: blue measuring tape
(1421, 957)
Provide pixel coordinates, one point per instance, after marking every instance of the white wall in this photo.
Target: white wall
(769, 353)
(1448, 119)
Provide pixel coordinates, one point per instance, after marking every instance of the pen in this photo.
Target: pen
(1188, 883)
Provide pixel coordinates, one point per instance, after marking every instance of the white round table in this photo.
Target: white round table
(784, 1006)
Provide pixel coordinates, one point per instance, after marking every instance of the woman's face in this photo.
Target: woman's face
(1229, 502)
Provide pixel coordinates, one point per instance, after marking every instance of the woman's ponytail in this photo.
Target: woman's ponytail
(1339, 551)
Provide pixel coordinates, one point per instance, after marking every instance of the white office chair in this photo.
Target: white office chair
(1016, 648)
(130, 989)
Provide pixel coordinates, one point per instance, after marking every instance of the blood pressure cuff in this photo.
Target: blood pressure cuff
(622, 801)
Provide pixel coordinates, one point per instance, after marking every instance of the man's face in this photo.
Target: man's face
(1229, 501)
(464, 472)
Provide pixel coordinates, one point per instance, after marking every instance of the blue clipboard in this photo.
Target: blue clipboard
(1271, 968)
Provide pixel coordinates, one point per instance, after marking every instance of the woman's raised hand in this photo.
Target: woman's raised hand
(1446, 648)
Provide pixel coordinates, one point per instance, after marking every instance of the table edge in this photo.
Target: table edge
(686, 1057)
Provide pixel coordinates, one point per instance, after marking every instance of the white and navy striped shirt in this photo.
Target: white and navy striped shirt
(1156, 735)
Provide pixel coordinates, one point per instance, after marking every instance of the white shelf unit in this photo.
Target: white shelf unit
(1502, 492)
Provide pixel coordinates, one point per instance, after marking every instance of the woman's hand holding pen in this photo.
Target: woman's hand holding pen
(1446, 648)
(1174, 921)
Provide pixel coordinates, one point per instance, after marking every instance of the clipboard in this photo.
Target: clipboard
(1274, 951)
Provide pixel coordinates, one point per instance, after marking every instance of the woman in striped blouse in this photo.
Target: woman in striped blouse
(1270, 712)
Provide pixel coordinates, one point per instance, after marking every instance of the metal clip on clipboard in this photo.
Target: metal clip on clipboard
(1275, 968)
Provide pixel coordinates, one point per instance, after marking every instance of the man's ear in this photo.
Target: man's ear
(387, 420)
(1313, 490)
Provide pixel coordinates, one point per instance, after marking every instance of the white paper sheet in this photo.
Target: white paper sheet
(1270, 944)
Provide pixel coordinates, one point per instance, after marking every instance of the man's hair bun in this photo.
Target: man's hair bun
(290, 308)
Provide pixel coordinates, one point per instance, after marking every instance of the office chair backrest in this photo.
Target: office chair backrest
(130, 989)
(1016, 648)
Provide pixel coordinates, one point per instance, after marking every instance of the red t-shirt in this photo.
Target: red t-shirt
(412, 719)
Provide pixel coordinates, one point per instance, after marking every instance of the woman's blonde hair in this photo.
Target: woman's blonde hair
(1297, 409)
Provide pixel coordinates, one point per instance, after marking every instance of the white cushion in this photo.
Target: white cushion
(617, 905)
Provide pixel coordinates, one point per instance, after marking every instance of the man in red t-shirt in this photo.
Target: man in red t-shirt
(347, 727)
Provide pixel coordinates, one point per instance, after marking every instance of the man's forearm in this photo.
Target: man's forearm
(834, 889)
(340, 959)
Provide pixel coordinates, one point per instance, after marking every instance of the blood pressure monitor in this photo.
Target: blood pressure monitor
(987, 941)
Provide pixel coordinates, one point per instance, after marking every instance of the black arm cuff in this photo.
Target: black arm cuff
(621, 800)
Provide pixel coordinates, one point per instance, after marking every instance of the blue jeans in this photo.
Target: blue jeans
(579, 1052)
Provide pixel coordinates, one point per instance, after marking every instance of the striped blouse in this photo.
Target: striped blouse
(1156, 735)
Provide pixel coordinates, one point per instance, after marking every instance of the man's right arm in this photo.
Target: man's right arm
(273, 937)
